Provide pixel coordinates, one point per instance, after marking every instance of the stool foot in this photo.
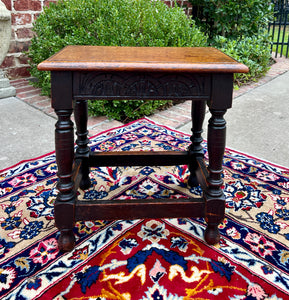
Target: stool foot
(212, 234)
(85, 183)
(66, 240)
(193, 181)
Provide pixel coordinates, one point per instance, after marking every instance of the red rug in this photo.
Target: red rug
(146, 259)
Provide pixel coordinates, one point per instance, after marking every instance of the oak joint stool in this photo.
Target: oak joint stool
(81, 73)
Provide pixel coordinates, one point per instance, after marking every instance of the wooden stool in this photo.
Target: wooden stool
(81, 73)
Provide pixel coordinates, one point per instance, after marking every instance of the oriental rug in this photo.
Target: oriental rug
(146, 259)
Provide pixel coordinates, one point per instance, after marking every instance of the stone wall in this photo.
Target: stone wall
(23, 13)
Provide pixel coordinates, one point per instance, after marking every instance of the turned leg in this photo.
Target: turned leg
(82, 151)
(64, 204)
(196, 149)
(214, 196)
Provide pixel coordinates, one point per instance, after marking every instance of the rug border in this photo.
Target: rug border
(27, 161)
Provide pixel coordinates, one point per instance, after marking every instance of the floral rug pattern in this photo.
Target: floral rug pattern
(146, 259)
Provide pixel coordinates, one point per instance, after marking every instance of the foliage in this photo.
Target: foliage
(253, 51)
(126, 110)
(233, 19)
(240, 29)
(110, 23)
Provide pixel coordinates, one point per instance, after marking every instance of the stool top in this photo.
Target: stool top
(152, 59)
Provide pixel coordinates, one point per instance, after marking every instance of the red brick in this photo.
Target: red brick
(21, 19)
(186, 106)
(8, 62)
(104, 126)
(16, 46)
(35, 5)
(24, 33)
(36, 15)
(164, 121)
(18, 72)
(172, 115)
(23, 5)
(28, 94)
(18, 82)
(32, 99)
(47, 2)
(43, 104)
(23, 59)
(167, 3)
(7, 4)
(25, 88)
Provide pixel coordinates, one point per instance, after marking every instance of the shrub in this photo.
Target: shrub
(233, 19)
(253, 51)
(110, 23)
(240, 29)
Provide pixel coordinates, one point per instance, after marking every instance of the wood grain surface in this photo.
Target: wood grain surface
(199, 59)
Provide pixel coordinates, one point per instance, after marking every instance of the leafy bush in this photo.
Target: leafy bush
(253, 51)
(110, 23)
(233, 19)
(240, 29)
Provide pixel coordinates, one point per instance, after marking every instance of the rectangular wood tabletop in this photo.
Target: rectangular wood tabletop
(152, 59)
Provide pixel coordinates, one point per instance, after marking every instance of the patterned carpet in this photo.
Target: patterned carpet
(146, 259)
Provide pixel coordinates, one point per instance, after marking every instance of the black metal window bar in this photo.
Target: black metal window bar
(281, 21)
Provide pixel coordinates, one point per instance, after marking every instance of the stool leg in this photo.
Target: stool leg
(82, 151)
(64, 204)
(196, 150)
(214, 196)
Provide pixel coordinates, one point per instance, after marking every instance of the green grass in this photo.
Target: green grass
(275, 39)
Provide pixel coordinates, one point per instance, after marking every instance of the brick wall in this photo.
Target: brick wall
(23, 13)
